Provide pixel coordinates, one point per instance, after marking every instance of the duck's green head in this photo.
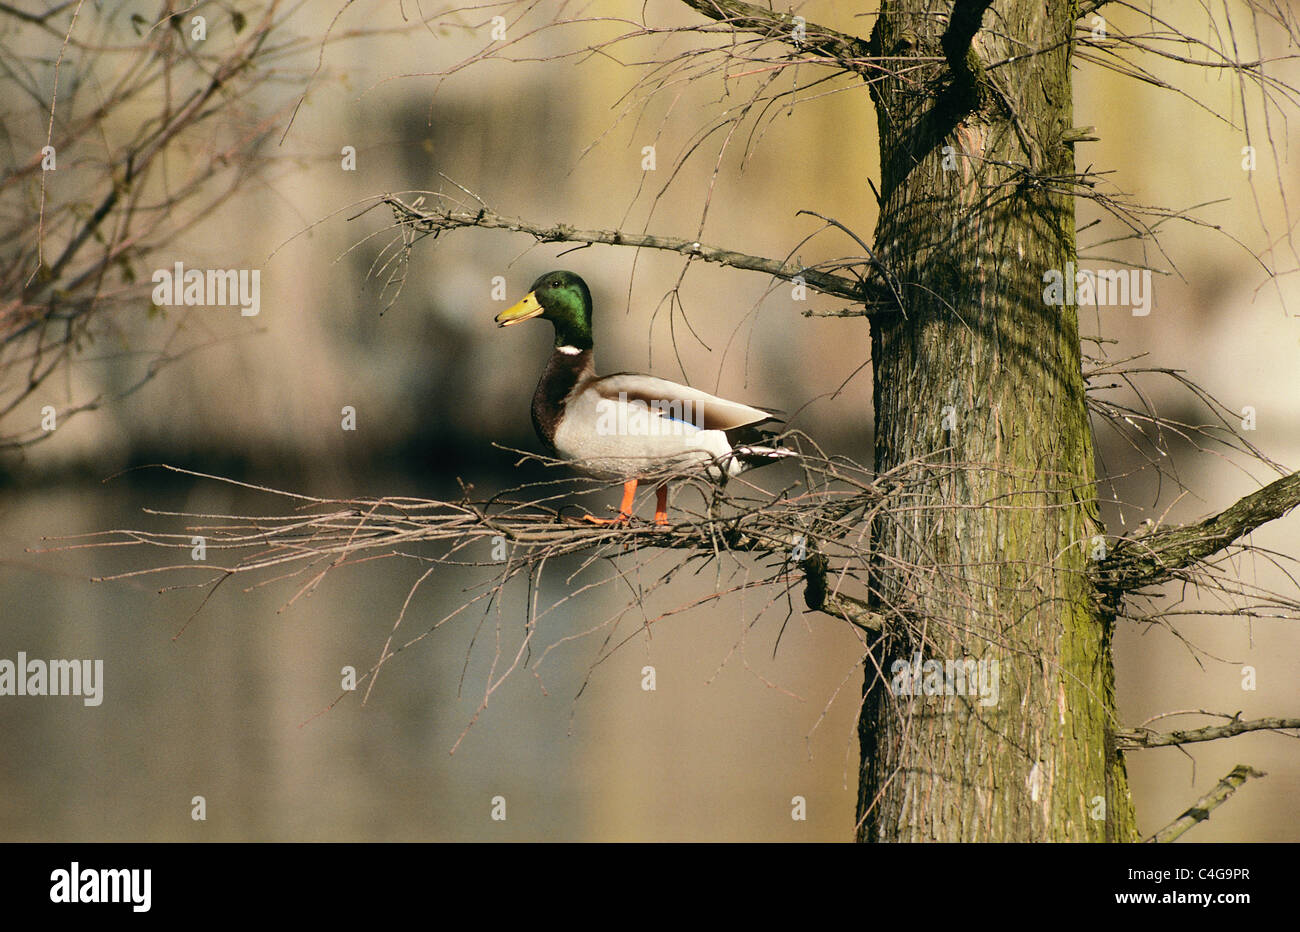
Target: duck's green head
(563, 299)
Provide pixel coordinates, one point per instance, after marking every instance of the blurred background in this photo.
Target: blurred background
(229, 702)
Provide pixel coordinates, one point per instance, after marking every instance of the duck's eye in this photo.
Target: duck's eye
(555, 284)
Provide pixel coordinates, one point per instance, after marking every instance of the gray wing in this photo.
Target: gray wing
(681, 402)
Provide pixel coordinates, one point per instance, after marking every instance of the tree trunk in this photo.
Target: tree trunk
(979, 387)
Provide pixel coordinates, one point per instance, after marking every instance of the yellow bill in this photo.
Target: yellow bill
(524, 310)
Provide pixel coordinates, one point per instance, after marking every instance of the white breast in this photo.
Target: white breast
(613, 438)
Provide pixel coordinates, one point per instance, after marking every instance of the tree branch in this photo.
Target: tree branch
(436, 220)
(1137, 562)
(819, 598)
(854, 611)
(1201, 809)
(1131, 739)
(853, 53)
(1090, 7)
(966, 19)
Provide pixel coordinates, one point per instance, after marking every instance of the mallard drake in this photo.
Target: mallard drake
(628, 426)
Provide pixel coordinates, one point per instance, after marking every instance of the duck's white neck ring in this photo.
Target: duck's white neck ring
(568, 350)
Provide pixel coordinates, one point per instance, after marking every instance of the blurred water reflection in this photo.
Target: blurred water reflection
(227, 710)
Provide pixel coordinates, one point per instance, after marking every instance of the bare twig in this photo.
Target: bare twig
(1200, 810)
(1145, 738)
(448, 215)
(851, 52)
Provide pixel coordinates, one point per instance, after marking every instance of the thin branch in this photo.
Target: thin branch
(440, 219)
(1200, 810)
(1090, 7)
(1145, 738)
(853, 53)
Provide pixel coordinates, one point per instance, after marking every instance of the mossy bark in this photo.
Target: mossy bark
(979, 386)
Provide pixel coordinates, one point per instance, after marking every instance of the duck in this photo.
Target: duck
(627, 426)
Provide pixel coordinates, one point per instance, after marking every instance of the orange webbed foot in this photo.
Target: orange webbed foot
(624, 510)
(661, 505)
